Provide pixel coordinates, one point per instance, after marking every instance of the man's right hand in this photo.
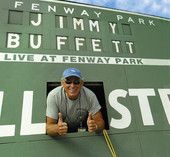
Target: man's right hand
(62, 127)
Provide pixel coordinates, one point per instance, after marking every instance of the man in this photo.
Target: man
(72, 107)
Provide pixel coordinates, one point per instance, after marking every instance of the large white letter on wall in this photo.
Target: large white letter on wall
(5, 130)
(27, 128)
(142, 95)
(125, 121)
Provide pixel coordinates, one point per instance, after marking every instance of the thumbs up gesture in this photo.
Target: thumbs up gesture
(60, 118)
(92, 126)
(61, 126)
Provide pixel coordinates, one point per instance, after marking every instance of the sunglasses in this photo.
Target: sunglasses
(76, 82)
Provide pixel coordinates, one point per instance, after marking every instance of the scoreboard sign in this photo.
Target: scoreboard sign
(128, 53)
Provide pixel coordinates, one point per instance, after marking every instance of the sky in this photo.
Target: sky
(152, 7)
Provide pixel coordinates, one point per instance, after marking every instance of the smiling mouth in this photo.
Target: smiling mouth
(72, 91)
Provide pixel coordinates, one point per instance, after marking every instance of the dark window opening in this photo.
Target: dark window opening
(126, 29)
(15, 17)
(97, 88)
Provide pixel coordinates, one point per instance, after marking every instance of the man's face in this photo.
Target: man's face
(72, 86)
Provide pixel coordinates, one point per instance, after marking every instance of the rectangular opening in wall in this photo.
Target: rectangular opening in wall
(97, 88)
(15, 17)
(126, 29)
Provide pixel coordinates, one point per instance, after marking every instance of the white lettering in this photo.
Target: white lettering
(27, 128)
(68, 10)
(50, 8)
(18, 3)
(79, 42)
(13, 40)
(96, 45)
(119, 17)
(5, 130)
(142, 95)
(77, 22)
(130, 44)
(165, 98)
(125, 120)
(38, 21)
(60, 41)
(39, 39)
(116, 43)
(84, 12)
(113, 27)
(61, 22)
(98, 14)
(35, 7)
(94, 24)
(141, 21)
(130, 20)
(151, 22)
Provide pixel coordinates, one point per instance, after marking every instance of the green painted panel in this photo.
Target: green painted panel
(128, 52)
(159, 140)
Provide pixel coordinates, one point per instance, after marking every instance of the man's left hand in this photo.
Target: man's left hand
(92, 126)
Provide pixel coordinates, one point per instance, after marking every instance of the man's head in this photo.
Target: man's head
(72, 82)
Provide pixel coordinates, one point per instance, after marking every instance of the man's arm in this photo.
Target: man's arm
(54, 128)
(95, 122)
